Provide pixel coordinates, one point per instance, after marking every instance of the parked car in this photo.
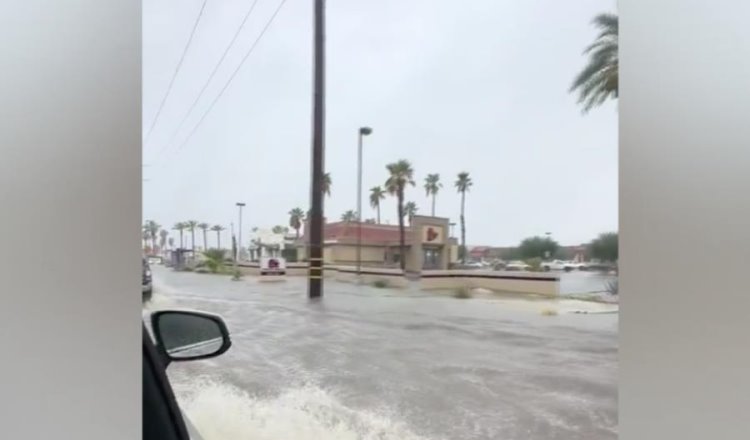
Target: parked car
(567, 266)
(146, 285)
(553, 265)
(175, 336)
(577, 265)
(517, 266)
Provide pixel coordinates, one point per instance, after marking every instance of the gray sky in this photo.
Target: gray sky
(476, 85)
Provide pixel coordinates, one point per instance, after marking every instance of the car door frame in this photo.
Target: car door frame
(154, 366)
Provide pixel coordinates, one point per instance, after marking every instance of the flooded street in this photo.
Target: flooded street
(368, 363)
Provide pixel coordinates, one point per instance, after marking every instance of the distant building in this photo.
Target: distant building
(266, 243)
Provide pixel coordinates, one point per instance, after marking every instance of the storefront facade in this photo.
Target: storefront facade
(428, 246)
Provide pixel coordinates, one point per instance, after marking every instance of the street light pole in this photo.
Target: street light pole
(315, 269)
(240, 205)
(363, 131)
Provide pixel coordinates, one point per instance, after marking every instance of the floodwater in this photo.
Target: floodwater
(368, 363)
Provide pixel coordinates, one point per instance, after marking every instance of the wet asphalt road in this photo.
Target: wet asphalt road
(368, 363)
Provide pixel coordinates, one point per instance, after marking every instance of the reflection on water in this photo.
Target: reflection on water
(584, 282)
(369, 363)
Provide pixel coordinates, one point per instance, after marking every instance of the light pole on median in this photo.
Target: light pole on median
(363, 131)
(240, 205)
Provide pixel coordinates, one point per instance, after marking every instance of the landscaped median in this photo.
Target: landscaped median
(498, 281)
(539, 283)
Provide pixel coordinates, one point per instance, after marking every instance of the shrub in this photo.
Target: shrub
(213, 265)
(462, 293)
(535, 264)
(236, 275)
(612, 286)
(549, 312)
(214, 259)
(380, 284)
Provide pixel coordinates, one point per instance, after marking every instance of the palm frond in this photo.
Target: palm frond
(598, 81)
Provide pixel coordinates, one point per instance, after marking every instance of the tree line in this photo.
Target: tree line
(605, 248)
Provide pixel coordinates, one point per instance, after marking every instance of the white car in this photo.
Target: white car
(517, 266)
(554, 265)
(567, 266)
(272, 266)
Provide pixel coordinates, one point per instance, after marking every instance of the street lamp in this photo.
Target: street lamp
(240, 205)
(363, 131)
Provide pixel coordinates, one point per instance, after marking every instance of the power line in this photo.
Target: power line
(176, 71)
(226, 85)
(211, 77)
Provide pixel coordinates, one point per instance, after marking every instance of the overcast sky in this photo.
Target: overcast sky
(475, 85)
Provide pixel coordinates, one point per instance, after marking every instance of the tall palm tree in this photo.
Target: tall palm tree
(218, 229)
(431, 186)
(349, 216)
(410, 210)
(191, 225)
(152, 229)
(163, 234)
(204, 227)
(401, 175)
(463, 183)
(598, 81)
(377, 193)
(327, 184)
(296, 217)
(180, 226)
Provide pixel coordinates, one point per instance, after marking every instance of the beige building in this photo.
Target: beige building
(428, 244)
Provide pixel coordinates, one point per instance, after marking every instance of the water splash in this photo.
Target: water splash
(221, 411)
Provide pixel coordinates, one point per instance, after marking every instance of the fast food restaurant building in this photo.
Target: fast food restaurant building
(428, 244)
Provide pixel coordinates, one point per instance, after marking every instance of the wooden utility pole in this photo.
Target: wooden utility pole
(315, 270)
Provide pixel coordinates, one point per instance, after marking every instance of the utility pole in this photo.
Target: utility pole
(363, 131)
(315, 270)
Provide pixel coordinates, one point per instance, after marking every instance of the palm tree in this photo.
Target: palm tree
(327, 184)
(152, 229)
(163, 234)
(410, 210)
(191, 225)
(218, 229)
(401, 175)
(598, 81)
(463, 183)
(171, 242)
(431, 186)
(204, 227)
(180, 226)
(377, 193)
(296, 217)
(349, 216)
(146, 237)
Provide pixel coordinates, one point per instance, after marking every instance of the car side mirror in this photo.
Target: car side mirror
(184, 335)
